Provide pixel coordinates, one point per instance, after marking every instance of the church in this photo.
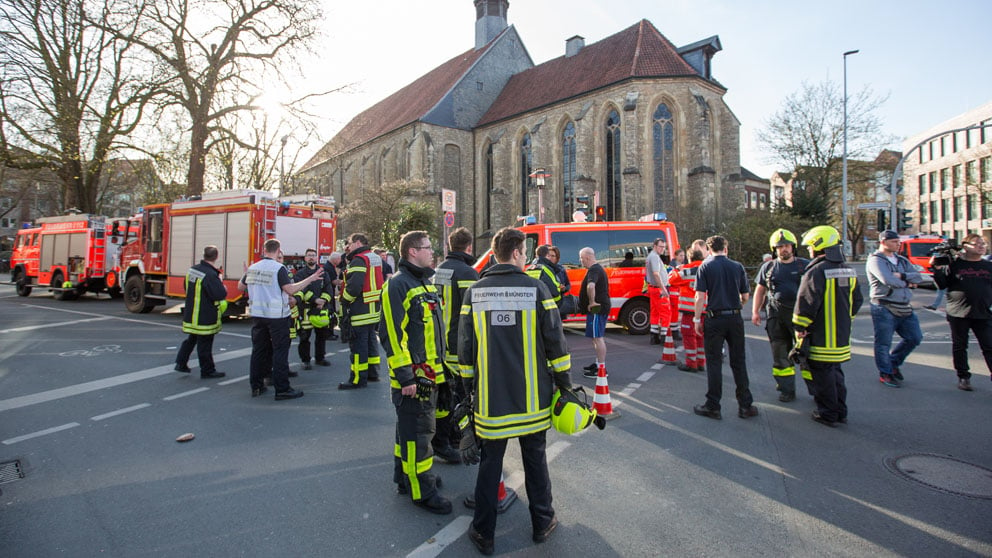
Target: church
(631, 123)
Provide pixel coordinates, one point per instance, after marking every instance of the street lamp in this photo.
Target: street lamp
(282, 167)
(539, 176)
(843, 207)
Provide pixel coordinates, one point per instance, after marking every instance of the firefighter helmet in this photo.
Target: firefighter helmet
(569, 414)
(821, 237)
(221, 307)
(320, 319)
(782, 237)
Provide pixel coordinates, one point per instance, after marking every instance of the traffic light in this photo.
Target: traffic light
(600, 212)
(880, 220)
(905, 219)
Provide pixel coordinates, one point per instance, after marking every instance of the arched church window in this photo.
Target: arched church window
(526, 161)
(613, 186)
(663, 159)
(568, 170)
(487, 217)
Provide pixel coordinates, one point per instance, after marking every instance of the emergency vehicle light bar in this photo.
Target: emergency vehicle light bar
(656, 216)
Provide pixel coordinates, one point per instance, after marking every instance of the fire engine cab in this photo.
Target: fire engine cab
(67, 253)
(916, 248)
(169, 238)
(611, 242)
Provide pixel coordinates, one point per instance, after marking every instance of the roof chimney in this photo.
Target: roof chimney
(573, 45)
(490, 20)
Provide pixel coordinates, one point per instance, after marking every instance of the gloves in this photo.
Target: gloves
(426, 383)
(800, 354)
(443, 397)
(562, 380)
(468, 447)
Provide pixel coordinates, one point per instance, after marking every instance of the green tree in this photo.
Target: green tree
(748, 233)
(386, 212)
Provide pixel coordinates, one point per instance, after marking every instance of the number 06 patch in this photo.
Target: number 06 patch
(508, 318)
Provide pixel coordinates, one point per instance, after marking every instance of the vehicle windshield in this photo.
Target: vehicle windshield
(920, 249)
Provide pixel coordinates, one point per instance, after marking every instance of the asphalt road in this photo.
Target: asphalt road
(90, 409)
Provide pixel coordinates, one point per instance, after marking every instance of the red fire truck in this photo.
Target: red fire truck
(169, 238)
(68, 254)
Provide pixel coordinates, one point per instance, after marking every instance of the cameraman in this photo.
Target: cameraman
(968, 280)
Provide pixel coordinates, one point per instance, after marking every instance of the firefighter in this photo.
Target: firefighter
(331, 275)
(360, 301)
(412, 332)
(683, 278)
(312, 301)
(543, 270)
(452, 276)
(656, 277)
(512, 353)
(778, 283)
(205, 305)
(828, 299)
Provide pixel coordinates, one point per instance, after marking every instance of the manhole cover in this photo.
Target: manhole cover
(944, 473)
(11, 471)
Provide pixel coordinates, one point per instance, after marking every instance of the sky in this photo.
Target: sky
(926, 56)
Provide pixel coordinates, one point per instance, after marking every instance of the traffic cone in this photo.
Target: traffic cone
(668, 353)
(601, 400)
(507, 496)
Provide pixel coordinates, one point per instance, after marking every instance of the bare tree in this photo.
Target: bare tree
(806, 136)
(68, 92)
(217, 54)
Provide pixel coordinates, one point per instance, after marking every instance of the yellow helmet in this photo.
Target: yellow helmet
(821, 237)
(221, 307)
(320, 319)
(780, 237)
(569, 414)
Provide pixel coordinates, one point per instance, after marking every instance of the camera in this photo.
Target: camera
(943, 253)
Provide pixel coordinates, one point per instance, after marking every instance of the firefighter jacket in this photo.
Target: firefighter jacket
(412, 329)
(204, 290)
(306, 298)
(510, 343)
(544, 271)
(683, 277)
(829, 298)
(453, 276)
(362, 293)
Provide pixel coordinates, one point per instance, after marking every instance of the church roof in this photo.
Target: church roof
(401, 108)
(638, 51)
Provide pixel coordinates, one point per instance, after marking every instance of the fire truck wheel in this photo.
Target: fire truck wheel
(635, 316)
(23, 289)
(66, 294)
(134, 296)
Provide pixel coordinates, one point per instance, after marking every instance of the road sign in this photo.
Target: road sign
(449, 219)
(874, 205)
(448, 200)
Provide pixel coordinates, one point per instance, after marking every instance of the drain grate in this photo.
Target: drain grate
(943, 473)
(11, 471)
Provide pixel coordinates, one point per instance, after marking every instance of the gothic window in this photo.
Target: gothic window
(663, 159)
(526, 161)
(613, 170)
(487, 217)
(568, 170)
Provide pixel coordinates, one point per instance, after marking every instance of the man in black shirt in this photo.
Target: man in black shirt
(722, 287)
(968, 280)
(594, 300)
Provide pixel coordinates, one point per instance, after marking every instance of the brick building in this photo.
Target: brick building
(631, 121)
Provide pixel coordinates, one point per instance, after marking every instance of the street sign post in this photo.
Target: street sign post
(448, 201)
(449, 219)
(874, 205)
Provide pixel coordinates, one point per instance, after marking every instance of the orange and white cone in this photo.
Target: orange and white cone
(601, 400)
(668, 353)
(505, 497)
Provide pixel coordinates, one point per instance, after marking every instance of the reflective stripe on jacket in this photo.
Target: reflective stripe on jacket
(829, 298)
(684, 277)
(453, 276)
(543, 271)
(362, 293)
(204, 289)
(412, 329)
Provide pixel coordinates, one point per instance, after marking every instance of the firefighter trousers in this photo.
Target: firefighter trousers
(320, 335)
(692, 342)
(412, 454)
(204, 352)
(270, 352)
(536, 480)
(364, 355)
(661, 313)
(830, 392)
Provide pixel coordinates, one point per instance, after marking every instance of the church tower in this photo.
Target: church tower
(490, 20)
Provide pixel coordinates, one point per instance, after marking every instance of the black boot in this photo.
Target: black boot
(655, 339)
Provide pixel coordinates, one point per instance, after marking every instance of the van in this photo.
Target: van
(611, 241)
(917, 248)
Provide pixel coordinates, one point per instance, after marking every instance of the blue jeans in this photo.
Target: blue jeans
(940, 298)
(885, 325)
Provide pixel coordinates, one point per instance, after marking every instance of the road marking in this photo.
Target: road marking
(121, 411)
(645, 376)
(52, 430)
(86, 387)
(233, 380)
(184, 394)
(59, 324)
(134, 320)
(656, 366)
(436, 544)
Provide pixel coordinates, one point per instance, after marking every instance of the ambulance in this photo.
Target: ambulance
(611, 240)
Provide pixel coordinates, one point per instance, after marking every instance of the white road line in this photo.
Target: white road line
(645, 377)
(656, 366)
(436, 544)
(233, 380)
(121, 411)
(185, 393)
(52, 430)
(134, 320)
(58, 324)
(86, 387)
